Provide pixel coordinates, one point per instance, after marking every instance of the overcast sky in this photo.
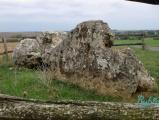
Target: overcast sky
(64, 15)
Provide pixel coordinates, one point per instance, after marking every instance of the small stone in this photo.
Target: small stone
(25, 93)
(10, 68)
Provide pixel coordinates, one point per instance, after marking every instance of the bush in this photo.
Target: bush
(17, 36)
(156, 38)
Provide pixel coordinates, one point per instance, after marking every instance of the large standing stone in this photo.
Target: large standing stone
(50, 40)
(85, 58)
(30, 51)
(50, 37)
(27, 54)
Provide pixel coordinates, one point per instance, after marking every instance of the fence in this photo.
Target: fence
(5, 49)
(5, 40)
(142, 40)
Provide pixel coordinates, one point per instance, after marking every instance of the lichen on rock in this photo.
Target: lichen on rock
(84, 56)
(27, 54)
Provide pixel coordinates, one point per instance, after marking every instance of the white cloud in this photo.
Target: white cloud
(56, 6)
(115, 12)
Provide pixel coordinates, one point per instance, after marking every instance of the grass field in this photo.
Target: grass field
(154, 43)
(38, 85)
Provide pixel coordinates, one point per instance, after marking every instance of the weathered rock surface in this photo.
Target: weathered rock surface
(51, 37)
(30, 51)
(27, 54)
(49, 40)
(85, 58)
(13, 108)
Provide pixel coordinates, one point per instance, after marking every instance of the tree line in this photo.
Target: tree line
(149, 34)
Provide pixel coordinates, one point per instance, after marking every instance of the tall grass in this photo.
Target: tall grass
(40, 85)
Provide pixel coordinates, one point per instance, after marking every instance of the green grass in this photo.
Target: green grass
(154, 43)
(14, 81)
(150, 60)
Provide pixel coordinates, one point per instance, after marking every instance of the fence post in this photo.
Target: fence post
(5, 48)
(143, 43)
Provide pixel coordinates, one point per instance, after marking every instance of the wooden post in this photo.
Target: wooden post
(143, 44)
(5, 48)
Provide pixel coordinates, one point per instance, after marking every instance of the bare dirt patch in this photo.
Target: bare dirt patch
(10, 46)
